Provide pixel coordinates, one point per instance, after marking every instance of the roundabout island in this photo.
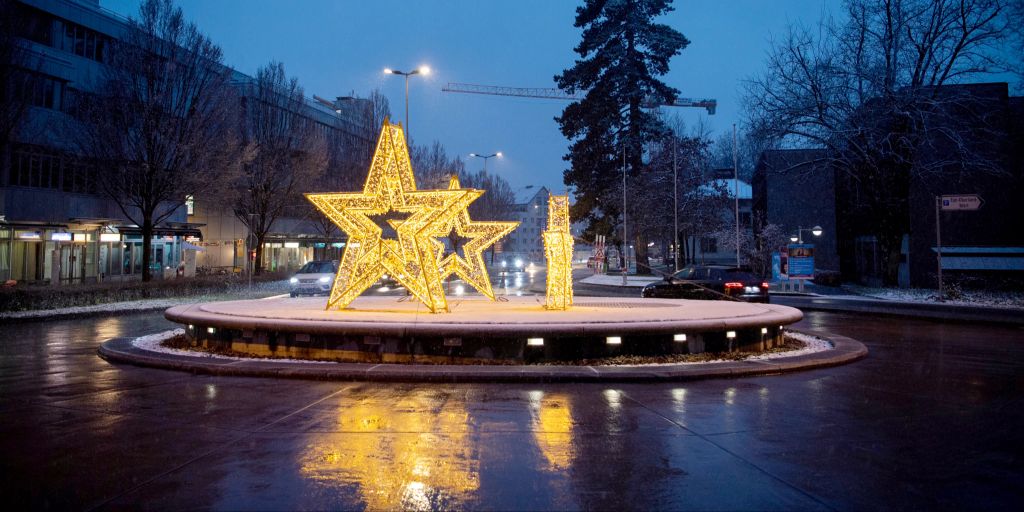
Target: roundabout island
(476, 330)
(387, 339)
(427, 336)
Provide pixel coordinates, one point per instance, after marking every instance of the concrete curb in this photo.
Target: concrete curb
(121, 350)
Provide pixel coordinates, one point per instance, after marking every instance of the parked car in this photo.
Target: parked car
(710, 282)
(314, 278)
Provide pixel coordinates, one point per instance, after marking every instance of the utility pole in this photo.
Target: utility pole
(252, 261)
(625, 239)
(938, 243)
(736, 191)
(675, 206)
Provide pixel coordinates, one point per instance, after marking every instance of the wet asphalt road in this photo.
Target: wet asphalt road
(931, 419)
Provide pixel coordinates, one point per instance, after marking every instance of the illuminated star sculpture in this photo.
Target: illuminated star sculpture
(481, 236)
(558, 250)
(411, 258)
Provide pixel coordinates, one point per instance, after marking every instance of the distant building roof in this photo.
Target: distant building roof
(528, 195)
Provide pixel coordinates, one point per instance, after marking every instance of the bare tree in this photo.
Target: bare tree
(755, 248)
(161, 121)
(16, 72)
(433, 167)
(748, 150)
(289, 152)
(871, 91)
(350, 150)
(497, 201)
(700, 201)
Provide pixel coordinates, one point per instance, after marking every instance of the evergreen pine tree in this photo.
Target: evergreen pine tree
(622, 54)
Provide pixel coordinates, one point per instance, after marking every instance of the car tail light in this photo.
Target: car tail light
(764, 284)
(734, 285)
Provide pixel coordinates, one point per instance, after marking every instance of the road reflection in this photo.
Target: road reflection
(551, 422)
(405, 455)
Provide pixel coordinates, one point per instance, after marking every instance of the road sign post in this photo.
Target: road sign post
(955, 203)
(938, 243)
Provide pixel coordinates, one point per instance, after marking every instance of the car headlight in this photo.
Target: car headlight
(293, 280)
(324, 279)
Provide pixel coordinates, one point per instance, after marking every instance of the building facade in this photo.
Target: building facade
(56, 226)
(799, 187)
(525, 245)
(794, 189)
(716, 248)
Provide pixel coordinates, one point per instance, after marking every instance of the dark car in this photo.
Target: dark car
(710, 282)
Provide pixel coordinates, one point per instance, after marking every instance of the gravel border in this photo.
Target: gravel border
(125, 350)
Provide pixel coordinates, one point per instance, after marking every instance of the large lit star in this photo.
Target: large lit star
(410, 258)
(558, 250)
(480, 235)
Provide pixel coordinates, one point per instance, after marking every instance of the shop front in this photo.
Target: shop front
(81, 252)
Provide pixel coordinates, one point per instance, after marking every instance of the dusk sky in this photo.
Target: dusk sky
(336, 47)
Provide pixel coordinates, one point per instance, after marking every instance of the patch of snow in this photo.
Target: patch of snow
(154, 343)
(812, 344)
(925, 295)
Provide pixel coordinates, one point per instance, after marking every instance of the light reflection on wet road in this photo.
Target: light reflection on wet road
(931, 419)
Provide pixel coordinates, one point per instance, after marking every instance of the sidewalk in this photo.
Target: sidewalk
(824, 298)
(616, 280)
(876, 306)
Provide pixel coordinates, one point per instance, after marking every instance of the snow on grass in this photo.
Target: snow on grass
(109, 307)
(812, 344)
(924, 295)
(154, 343)
(260, 290)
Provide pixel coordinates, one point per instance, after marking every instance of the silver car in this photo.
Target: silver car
(314, 278)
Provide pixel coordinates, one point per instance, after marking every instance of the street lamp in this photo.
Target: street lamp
(486, 157)
(799, 236)
(422, 70)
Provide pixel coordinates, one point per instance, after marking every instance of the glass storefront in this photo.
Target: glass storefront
(73, 256)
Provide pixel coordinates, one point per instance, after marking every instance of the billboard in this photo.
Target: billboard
(800, 261)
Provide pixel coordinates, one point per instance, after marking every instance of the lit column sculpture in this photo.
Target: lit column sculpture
(411, 258)
(558, 250)
(480, 235)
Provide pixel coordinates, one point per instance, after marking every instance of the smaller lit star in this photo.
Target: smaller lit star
(481, 236)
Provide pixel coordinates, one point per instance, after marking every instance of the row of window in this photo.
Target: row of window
(47, 29)
(38, 168)
(40, 90)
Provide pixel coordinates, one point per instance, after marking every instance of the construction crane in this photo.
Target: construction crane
(558, 94)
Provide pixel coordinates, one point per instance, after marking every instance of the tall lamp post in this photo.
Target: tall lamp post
(422, 70)
(486, 157)
(675, 206)
(799, 236)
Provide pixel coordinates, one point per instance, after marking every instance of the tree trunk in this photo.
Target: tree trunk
(890, 245)
(257, 265)
(147, 246)
(643, 263)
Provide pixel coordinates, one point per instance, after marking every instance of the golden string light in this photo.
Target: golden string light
(411, 258)
(558, 250)
(481, 235)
